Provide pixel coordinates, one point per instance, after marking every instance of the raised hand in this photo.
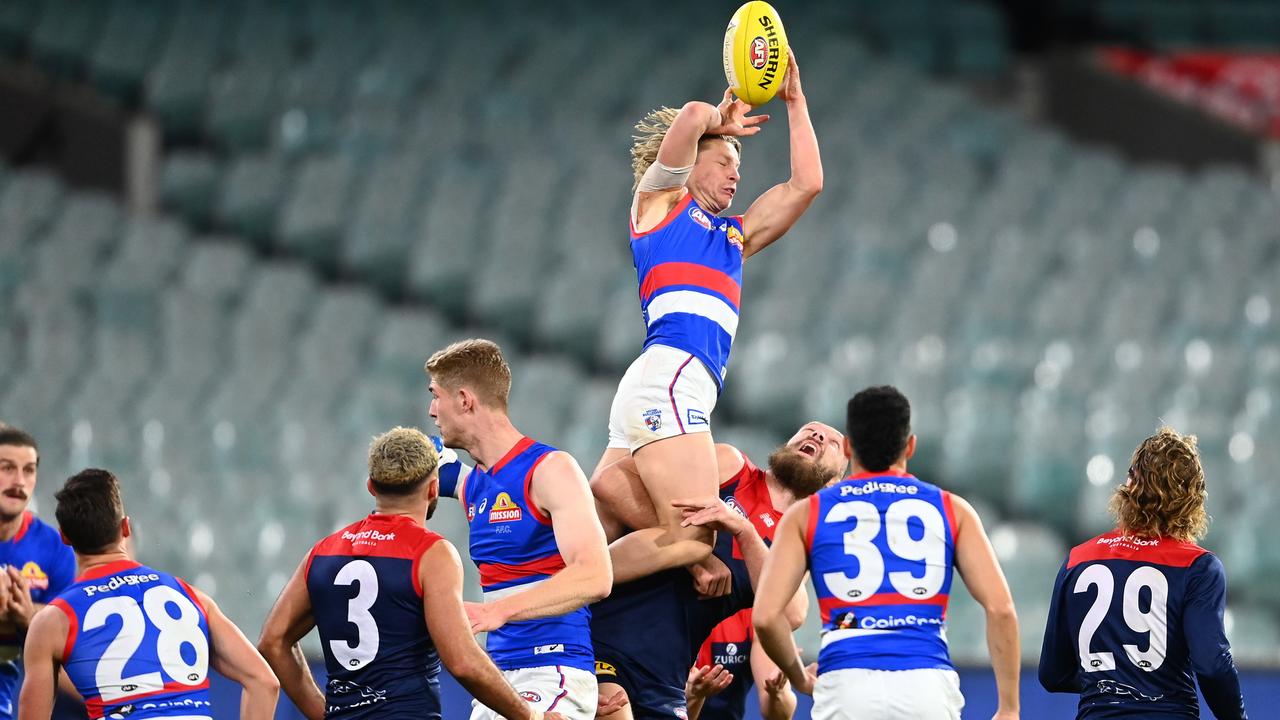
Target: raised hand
(706, 681)
(734, 119)
(20, 606)
(790, 89)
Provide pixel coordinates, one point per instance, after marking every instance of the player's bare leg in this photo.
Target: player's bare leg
(683, 466)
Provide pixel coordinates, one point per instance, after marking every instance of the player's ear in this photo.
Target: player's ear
(847, 447)
(126, 527)
(368, 485)
(910, 449)
(432, 487)
(467, 399)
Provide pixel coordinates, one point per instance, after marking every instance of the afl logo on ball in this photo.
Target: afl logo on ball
(759, 53)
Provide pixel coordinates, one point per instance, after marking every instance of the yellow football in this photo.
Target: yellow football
(755, 52)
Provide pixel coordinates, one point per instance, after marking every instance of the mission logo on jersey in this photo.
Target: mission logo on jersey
(504, 509)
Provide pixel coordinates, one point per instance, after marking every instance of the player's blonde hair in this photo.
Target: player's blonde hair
(401, 460)
(476, 364)
(1165, 493)
(648, 138)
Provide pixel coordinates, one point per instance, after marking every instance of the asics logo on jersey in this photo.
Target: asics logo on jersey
(504, 509)
(118, 582)
(367, 535)
(878, 486)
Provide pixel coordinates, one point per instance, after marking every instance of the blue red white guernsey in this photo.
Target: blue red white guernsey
(137, 644)
(881, 548)
(513, 546)
(366, 598)
(37, 551)
(690, 273)
(730, 642)
(1130, 621)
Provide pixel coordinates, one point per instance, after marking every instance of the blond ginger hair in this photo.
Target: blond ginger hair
(476, 364)
(1165, 493)
(401, 460)
(651, 131)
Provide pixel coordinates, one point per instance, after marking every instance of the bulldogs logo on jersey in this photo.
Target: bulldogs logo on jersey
(653, 419)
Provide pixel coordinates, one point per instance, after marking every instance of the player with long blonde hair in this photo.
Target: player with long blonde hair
(688, 258)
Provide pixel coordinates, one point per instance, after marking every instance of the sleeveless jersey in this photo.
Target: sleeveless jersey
(137, 644)
(513, 546)
(1130, 620)
(881, 549)
(690, 273)
(367, 602)
(730, 642)
(36, 551)
(647, 632)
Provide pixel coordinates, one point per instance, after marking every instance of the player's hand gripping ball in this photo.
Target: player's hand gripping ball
(755, 52)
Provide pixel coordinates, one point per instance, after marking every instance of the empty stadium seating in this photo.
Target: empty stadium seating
(336, 211)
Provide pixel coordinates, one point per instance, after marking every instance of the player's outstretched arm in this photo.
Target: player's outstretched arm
(1058, 670)
(440, 572)
(784, 570)
(774, 212)
(41, 656)
(559, 490)
(231, 654)
(1202, 625)
(289, 621)
(978, 566)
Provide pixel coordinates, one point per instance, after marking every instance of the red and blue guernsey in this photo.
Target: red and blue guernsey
(730, 642)
(881, 548)
(137, 643)
(690, 273)
(1131, 620)
(36, 551)
(366, 598)
(514, 548)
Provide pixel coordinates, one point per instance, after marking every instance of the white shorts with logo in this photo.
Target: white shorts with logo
(666, 392)
(568, 691)
(856, 694)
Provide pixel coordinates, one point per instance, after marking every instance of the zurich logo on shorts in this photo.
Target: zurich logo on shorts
(653, 419)
(697, 417)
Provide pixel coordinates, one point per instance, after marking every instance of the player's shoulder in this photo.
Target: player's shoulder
(1118, 545)
(39, 531)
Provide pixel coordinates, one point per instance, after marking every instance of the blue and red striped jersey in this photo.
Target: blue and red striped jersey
(881, 549)
(1131, 620)
(690, 273)
(514, 547)
(36, 551)
(366, 597)
(137, 643)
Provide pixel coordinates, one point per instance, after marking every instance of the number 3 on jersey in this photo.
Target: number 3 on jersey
(363, 574)
(175, 633)
(859, 542)
(1153, 622)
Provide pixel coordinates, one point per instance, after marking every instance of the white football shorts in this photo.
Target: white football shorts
(666, 392)
(568, 691)
(856, 694)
